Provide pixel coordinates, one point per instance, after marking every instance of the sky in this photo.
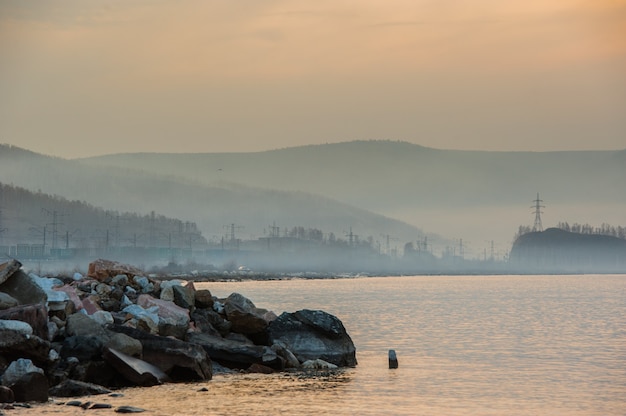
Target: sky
(81, 78)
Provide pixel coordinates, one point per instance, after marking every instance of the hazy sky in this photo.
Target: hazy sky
(81, 78)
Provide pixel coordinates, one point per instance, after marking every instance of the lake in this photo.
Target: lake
(466, 345)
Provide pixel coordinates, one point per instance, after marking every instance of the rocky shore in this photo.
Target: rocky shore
(78, 335)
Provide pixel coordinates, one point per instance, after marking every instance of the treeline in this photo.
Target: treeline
(37, 218)
(604, 229)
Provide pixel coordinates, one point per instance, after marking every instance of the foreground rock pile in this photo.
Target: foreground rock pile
(74, 336)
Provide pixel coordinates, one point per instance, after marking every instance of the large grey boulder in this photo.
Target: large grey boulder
(181, 361)
(244, 315)
(236, 354)
(312, 335)
(23, 287)
(134, 369)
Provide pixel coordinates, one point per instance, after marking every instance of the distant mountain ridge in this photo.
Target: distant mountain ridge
(475, 195)
(211, 206)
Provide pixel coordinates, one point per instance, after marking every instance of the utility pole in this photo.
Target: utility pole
(55, 223)
(351, 237)
(232, 227)
(537, 226)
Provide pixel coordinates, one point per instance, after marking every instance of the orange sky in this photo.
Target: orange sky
(82, 78)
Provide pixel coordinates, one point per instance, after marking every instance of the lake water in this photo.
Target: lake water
(466, 345)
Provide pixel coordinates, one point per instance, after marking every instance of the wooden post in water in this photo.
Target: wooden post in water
(393, 360)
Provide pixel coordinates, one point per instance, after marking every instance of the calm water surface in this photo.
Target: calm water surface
(467, 345)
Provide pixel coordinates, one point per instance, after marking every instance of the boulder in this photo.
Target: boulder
(7, 269)
(173, 320)
(318, 365)
(243, 315)
(180, 360)
(167, 289)
(17, 369)
(75, 388)
(14, 345)
(35, 315)
(17, 326)
(83, 347)
(23, 288)
(135, 370)
(102, 270)
(313, 335)
(235, 354)
(204, 299)
(31, 387)
(72, 293)
(7, 301)
(124, 343)
(184, 296)
(91, 304)
(209, 321)
(81, 324)
(281, 349)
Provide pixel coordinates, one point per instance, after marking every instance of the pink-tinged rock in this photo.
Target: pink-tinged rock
(167, 309)
(102, 269)
(72, 294)
(90, 304)
(173, 320)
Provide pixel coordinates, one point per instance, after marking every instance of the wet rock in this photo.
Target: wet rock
(236, 354)
(7, 301)
(313, 334)
(100, 406)
(75, 388)
(180, 360)
(135, 370)
(35, 315)
(23, 288)
(204, 299)
(129, 409)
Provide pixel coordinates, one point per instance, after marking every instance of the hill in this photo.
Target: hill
(212, 206)
(477, 196)
(559, 251)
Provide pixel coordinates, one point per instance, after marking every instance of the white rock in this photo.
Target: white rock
(17, 369)
(17, 326)
(318, 365)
